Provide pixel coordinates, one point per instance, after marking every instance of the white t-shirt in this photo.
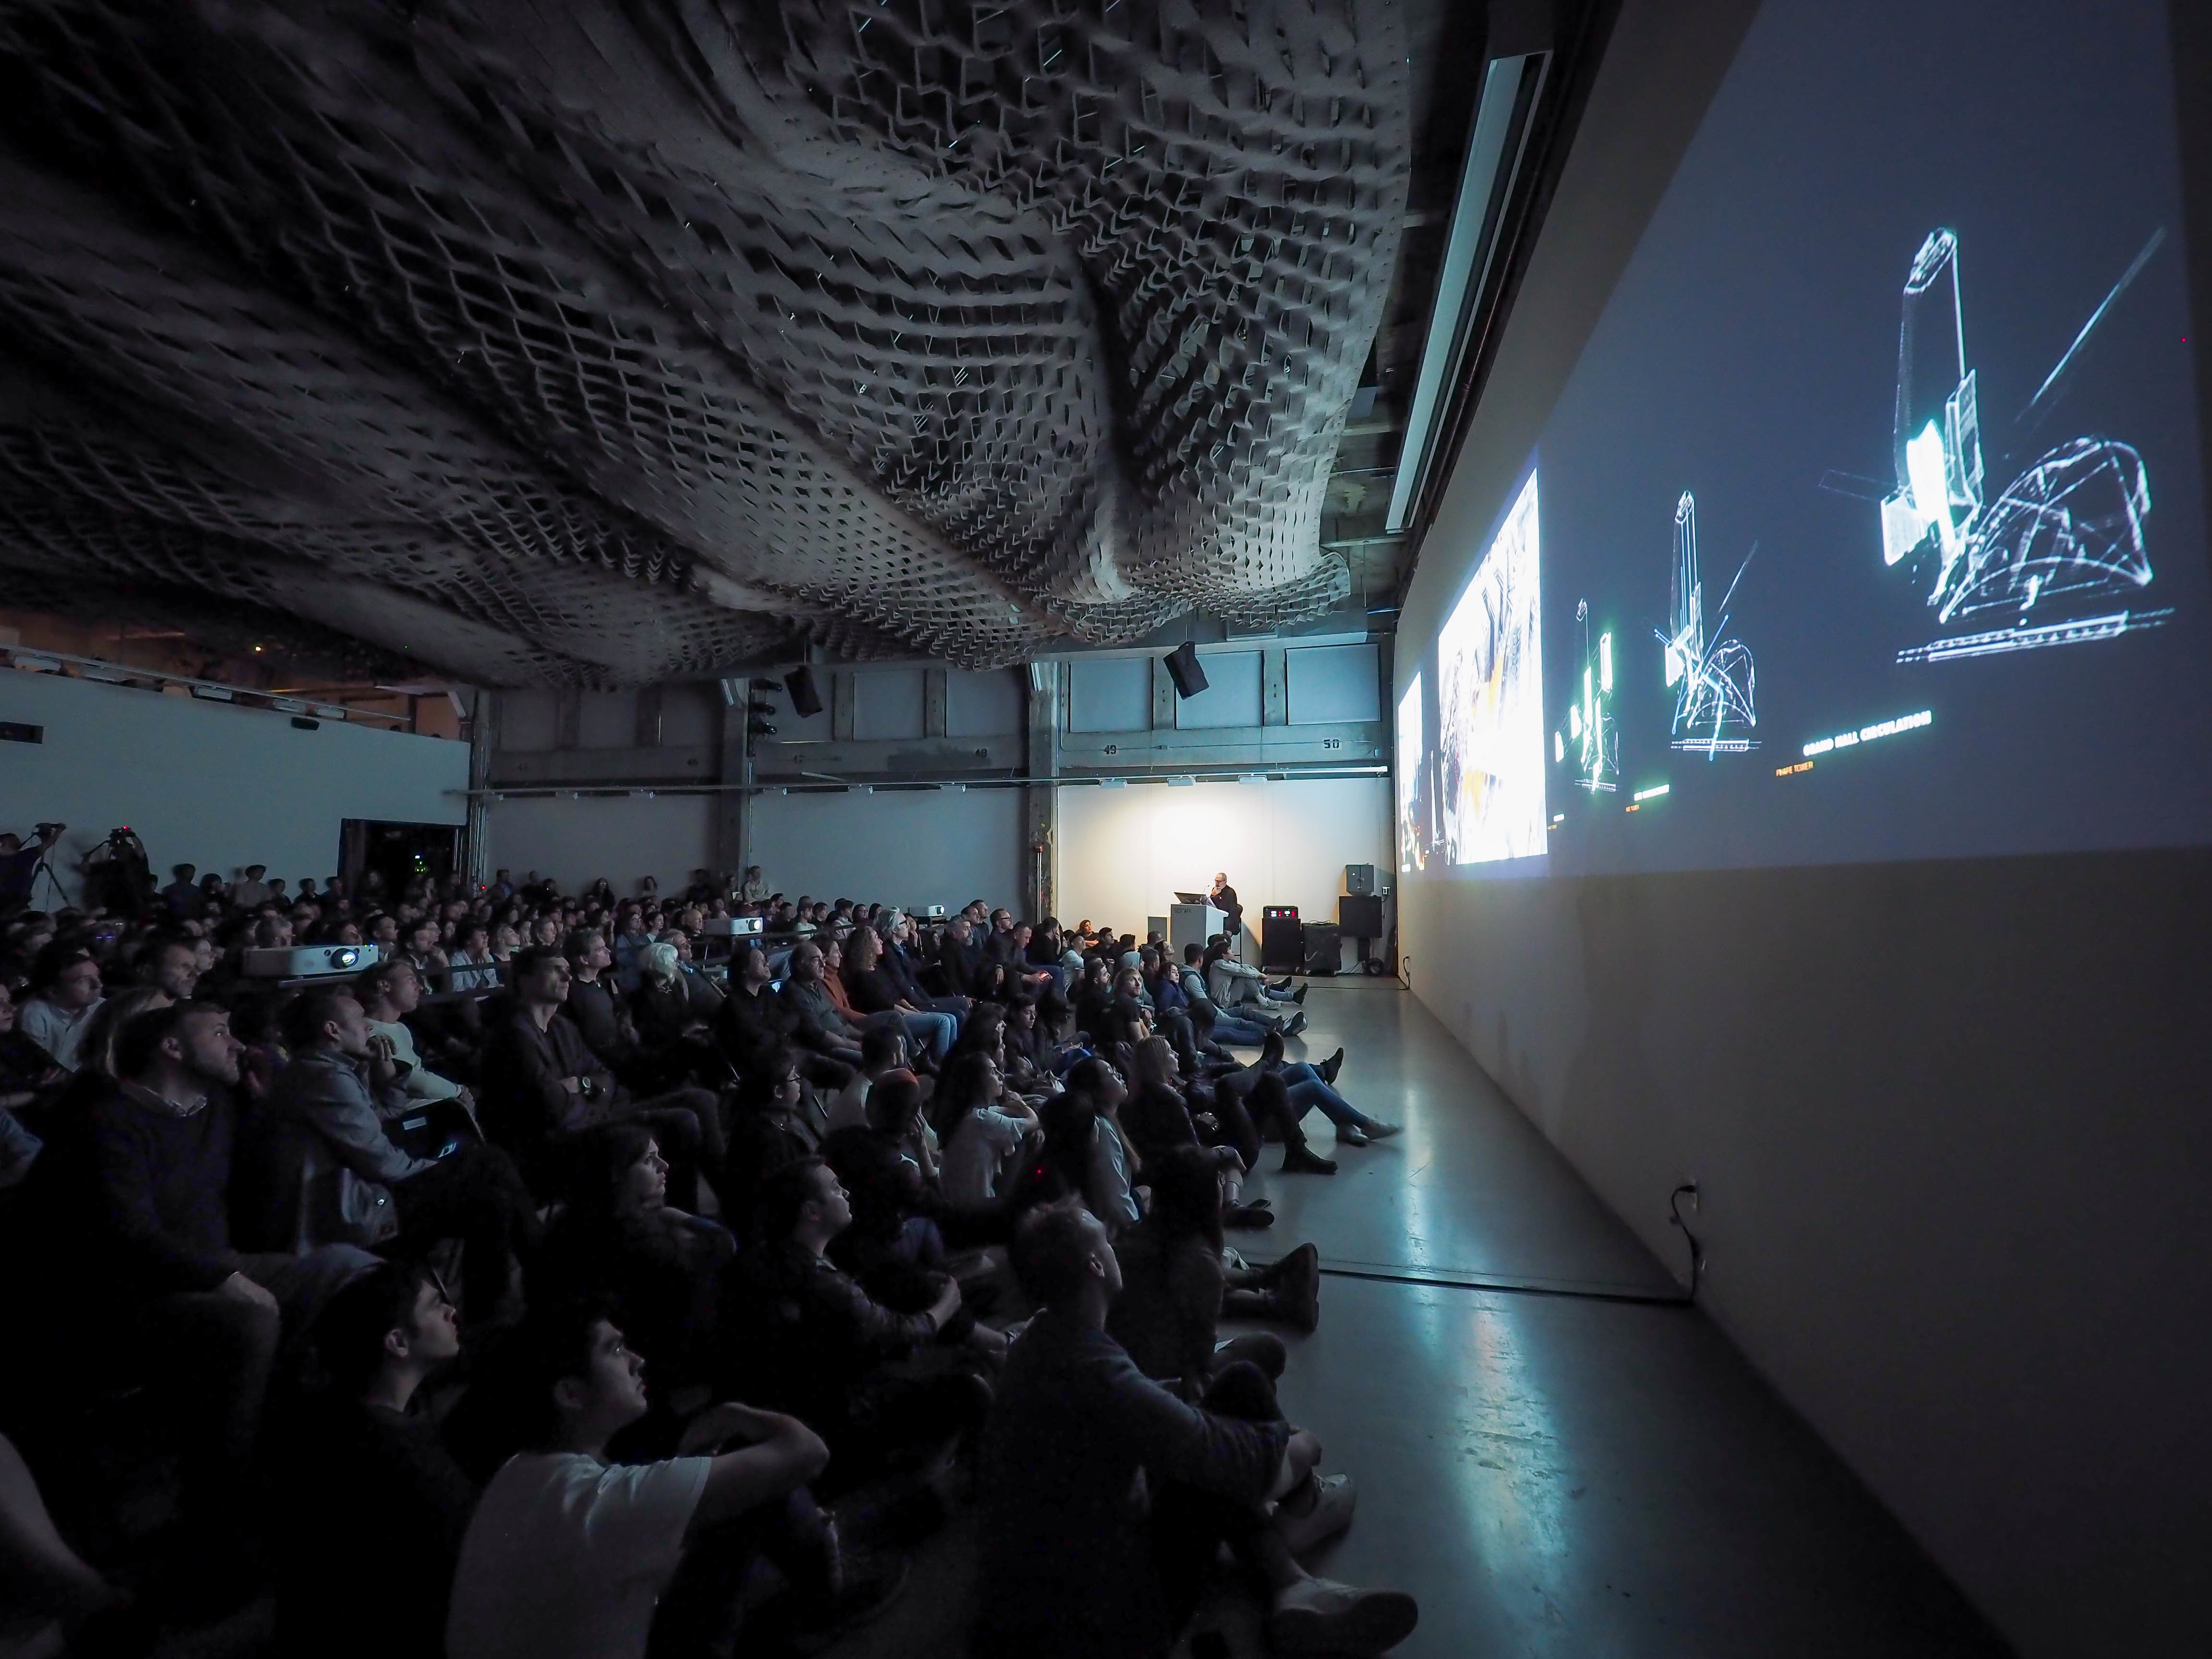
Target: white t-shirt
(566, 1557)
(977, 1156)
(851, 1105)
(419, 1081)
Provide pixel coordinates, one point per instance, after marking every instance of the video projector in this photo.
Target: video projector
(309, 961)
(731, 927)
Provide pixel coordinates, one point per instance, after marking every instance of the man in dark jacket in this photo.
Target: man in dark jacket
(542, 1087)
(1107, 1498)
(134, 1196)
(818, 1023)
(754, 1023)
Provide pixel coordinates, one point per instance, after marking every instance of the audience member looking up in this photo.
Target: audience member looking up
(65, 993)
(1077, 1569)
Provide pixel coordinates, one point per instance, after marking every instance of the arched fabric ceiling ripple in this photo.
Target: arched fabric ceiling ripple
(923, 325)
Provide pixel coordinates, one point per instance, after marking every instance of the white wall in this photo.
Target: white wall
(620, 837)
(1124, 854)
(207, 783)
(1947, 1118)
(898, 847)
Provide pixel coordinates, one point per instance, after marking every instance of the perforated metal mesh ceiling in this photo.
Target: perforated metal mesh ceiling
(614, 342)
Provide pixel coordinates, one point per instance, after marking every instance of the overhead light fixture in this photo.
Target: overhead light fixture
(323, 711)
(1251, 777)
(1495, 148)
(215, 693)
(36, 665)
(287, 706)
(1182, 782)
(1113, 783)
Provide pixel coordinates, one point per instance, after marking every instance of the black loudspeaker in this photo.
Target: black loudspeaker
(1359, 879)
(805, 697)
(1182, 668)
(1324, 949)
(1282, 938)
(1359, 916)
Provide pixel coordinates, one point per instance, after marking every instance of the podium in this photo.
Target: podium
(1192, 924)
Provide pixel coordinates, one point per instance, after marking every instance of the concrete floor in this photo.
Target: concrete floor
(1549, 1473)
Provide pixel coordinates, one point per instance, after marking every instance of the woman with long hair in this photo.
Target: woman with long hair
(984, 1129)
(1084, 1152)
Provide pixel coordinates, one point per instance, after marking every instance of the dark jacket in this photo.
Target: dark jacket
(592, 1005)
(523, 1103)
(816, 1020)
(326, 1167)
(751, 1023)
(875, 992)
(820, 1334)
(1072, 1567)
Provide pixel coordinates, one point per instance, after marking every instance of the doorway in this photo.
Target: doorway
(397, 853)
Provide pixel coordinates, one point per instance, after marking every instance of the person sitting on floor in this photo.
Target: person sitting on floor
(371, 1496)
(658, 1267)
(882, 1050)
(811, 1339)
(983, 1130)
(570, 1556)
(1090, 1561)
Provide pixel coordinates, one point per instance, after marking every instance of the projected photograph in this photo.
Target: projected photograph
(1715, 687)
(1490, 702)
(2058, 557)
(1413, 779)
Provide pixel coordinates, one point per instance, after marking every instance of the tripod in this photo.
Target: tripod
(43, 868)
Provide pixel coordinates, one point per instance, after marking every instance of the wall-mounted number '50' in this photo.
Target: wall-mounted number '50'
(1332, 743)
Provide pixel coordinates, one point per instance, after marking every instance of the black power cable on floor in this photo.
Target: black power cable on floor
(1697, 1251)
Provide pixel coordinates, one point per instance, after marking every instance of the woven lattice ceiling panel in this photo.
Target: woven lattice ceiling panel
(637, 339)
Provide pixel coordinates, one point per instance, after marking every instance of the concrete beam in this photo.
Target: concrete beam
(1249, 748)
(886, 759)
(535, 768)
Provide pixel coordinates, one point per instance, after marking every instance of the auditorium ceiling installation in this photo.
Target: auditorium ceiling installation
(611, 341)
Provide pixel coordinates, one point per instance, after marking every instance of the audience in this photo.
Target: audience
(255, 1195)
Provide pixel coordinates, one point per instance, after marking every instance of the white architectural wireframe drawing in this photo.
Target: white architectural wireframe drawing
(1591, 729)
(1490, 702)
(2061, 542)
(1717, 687)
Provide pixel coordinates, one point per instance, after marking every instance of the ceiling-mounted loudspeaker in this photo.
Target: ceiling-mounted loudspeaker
(1182, 668)
(805, 697)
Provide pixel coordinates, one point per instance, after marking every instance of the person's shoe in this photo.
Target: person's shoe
(1298, 1281)
(1299, 995)
(1319, 1615)
(1283, 984)
(1248, 1216)
(1351, 1134)
(1328, 1068)
(1304, 1160)
(1317, 1512)
(1298, 1024)
(1384, 1131)
(1271, 1050)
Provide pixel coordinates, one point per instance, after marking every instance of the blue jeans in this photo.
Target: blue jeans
(1306, 1090)
(1235, 1028)
(932, 1033)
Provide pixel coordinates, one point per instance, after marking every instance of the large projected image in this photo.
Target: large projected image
(1874, 508)
(1490, 702)
(1411, 763)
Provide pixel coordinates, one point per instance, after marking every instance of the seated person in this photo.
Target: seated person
(875, 992)
(388, 991)
(597, 1005)
(1232, 984)
(171, 964)
(371, 1496)
(569, 1557)
(64, 994)
(1248, 1023)
(1085, 1153)
(336, 1177)
(755, 1021)
(1079, 1570)
(1177, 1288)
(779, 1121)
(670, 1024)
(807, 1335)
(984, 1131)
(889, 1166)
(658, 1267)
(819, 1022)
(882, 1050)
(133, 1197)
(542, 1087)
(1033, 1060)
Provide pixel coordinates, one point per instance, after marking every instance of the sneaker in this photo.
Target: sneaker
(1328, 1068)
(1283, 984)
(1319, 1615)
(1271, 1050)
(1350, 1134)
(1328, 1501)
(1299, 995)
(1298, 1024)
(1384, 1131)
(1248, 1216)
